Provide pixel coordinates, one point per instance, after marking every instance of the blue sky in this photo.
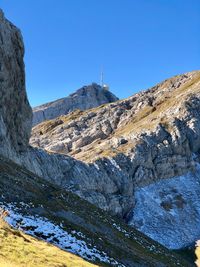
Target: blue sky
(137, 42)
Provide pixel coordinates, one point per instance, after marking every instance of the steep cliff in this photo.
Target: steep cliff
(85, 98)
(15, 112)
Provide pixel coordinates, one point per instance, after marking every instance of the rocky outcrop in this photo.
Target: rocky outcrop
(119, 126)
(102, 184)
(85, 98)
(15, 112)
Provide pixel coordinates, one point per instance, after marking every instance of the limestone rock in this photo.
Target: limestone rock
(151, 140)
(15, 112)
(85, 98)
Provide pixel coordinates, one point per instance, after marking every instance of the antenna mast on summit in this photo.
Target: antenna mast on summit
(101, 80)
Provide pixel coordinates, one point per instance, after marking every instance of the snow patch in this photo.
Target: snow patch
(114, 163)
(42, 228)
(168, 211)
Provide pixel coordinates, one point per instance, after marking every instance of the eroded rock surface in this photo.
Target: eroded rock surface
(15, 112)
(85, 98)
(152, 138)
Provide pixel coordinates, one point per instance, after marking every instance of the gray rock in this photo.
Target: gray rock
(151, 139)
(85, 98)
(15, 112)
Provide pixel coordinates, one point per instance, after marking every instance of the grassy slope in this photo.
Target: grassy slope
(18, 249)
(17, 184)
(197, 252)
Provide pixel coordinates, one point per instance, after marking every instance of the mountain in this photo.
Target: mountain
(143, 153)
(43, 209)
(84, 98)
(57, 198)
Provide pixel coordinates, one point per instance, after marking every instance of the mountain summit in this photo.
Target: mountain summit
(138, 158)
(86, 97)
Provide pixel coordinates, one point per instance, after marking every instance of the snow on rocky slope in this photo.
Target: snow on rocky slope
(171, 205)
(47, 212)
(41, 227)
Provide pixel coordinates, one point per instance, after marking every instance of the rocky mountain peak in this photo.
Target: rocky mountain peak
(15, 111)
(1, 14)
(86, 97)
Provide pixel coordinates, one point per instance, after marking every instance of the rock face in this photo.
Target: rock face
(15, 112)
(120, 126)
(102, 183)
(85, 98)
(140, 146)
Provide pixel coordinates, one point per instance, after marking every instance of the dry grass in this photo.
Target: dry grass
(49, 125)
(21, 250)
(148, 117)
(145, 119)
(197, 252)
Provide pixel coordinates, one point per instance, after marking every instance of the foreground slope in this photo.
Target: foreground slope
(21, 250)
(62, 218)
(84, 98)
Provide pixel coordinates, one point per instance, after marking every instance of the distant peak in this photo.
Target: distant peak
(87, 97)
(1, 14)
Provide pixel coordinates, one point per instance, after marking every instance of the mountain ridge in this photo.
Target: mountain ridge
(84, 98)
(125, 105)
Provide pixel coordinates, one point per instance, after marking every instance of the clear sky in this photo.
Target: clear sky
(137, 42)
